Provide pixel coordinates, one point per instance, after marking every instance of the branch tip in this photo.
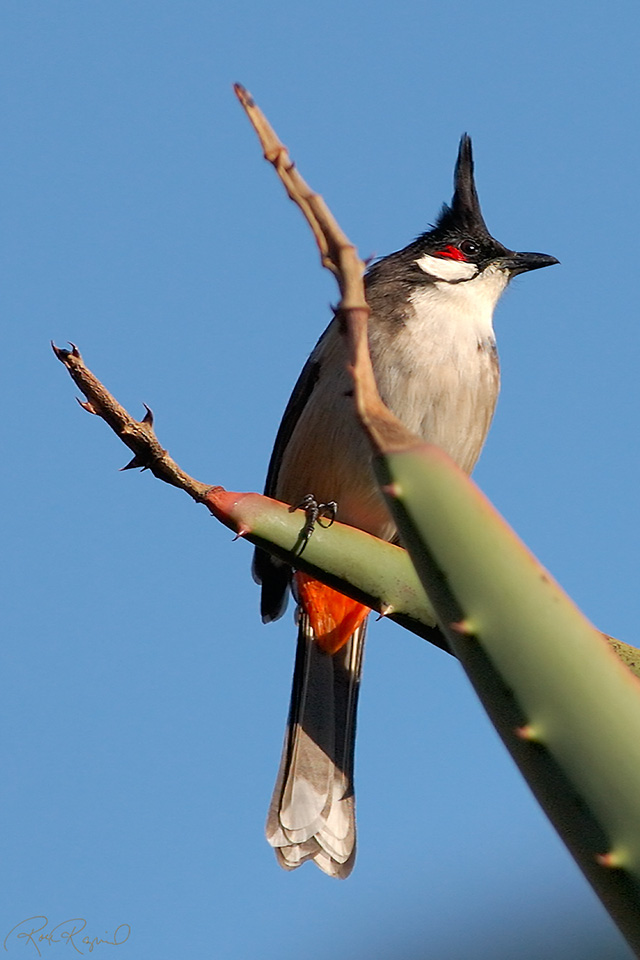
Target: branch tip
(243, 95)
(62, 354)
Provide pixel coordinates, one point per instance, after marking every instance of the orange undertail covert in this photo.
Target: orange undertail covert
(333, 616)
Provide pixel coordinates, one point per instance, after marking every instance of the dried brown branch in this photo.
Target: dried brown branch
(345, 558)
(339, 256)
(138, 435)
(337, 253)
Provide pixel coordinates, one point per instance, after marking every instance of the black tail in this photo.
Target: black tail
(312, 812)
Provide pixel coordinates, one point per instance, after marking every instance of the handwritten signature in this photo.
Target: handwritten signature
(66, 932)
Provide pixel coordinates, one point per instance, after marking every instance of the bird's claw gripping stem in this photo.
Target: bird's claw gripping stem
(315, 513)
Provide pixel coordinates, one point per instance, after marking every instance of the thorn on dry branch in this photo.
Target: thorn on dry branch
(135, 463)
(138, 435)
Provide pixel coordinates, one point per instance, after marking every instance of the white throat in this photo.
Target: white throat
(438, 370)
(446, 312)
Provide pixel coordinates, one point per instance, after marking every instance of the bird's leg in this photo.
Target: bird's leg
(315, 513)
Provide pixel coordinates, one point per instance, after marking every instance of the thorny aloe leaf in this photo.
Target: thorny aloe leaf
(564, 704)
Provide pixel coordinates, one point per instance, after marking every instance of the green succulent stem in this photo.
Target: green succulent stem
(565, 705)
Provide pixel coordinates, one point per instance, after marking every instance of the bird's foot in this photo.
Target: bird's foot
(315, 513)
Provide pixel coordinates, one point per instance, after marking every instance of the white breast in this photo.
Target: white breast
(439, 372)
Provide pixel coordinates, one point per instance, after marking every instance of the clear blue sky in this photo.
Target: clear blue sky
(143, 703)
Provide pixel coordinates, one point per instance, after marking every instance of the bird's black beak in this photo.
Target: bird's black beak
(523, 262)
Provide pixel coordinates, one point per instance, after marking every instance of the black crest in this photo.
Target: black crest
(464, 214)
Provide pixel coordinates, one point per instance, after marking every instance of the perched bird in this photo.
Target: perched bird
(435, 362)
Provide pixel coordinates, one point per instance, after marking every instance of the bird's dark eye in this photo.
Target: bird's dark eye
(469, 248)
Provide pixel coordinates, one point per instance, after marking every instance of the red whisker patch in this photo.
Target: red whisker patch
(451, 253)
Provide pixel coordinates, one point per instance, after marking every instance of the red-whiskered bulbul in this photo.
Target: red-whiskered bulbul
(436, 366)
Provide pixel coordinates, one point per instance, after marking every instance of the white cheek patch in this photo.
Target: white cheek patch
(446, 269)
